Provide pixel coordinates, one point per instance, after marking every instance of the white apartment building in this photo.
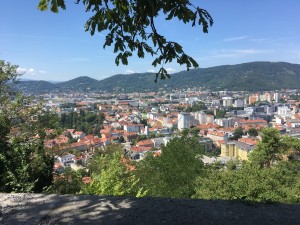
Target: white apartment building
(238, 103)
(184, 120)
(227, 101)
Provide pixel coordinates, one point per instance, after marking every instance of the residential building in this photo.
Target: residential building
(238, 103)
(183, 120)
(227, 101)
(133, 127)
(237, 149)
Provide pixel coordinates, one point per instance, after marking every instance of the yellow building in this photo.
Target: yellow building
(236, 149)
(253, 99)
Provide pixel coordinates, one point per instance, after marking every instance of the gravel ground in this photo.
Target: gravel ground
(41, 209)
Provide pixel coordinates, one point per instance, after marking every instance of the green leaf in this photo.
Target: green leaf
(43, 5)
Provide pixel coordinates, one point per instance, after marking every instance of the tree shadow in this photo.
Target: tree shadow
(87, 209)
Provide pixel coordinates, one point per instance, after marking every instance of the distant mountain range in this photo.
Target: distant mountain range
(253, 76)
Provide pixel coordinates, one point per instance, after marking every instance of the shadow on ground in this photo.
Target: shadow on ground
(85, 209)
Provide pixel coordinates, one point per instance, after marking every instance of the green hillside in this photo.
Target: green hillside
(254, 76)
(83, 84)
(35, 86)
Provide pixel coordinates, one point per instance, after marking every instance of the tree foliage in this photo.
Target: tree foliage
(172, 174)
(237, 133)
(252, 132)
(70, 182)
(132, 29)
(270, 149)
(271, 175)
(8, 73)
(88, 122)
(24, 165)
(196, 106)
(280, 183)
(220, 114)
(112, 176)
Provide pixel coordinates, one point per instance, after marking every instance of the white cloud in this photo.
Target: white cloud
(30, 71)
(170, 70)
(235, 38)
(151, 71)
(271, 40)
(129, 71)
(251, 51)
(21, 70)
(237, 53)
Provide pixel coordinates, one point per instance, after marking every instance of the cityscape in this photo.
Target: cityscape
(149, 112)
(143, 122)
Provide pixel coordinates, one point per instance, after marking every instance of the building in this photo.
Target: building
(238, 103)
(133, 127)
(184, 121)
(227, 101)
(158, 142)
(210, 118)
(217, 136)
(66, 159)
(253, 99)
(145, 143)
(215, 102)
(268, 97)
(225, 122)
(276, 97)
(251, 123)
(284, 111)
(202, 117)
(237, 149)
(206, 143)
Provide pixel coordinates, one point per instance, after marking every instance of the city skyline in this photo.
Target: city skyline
(49, 46)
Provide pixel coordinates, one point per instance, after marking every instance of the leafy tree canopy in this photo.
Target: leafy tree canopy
(132, 29)
(8, 73)
(273, 147)
(271, 175)
(24, 165)
(172, 174)
(237, 133)
(220, 114)
(196, 106)
(252, 132)
(252, 183)
(70, 182)
(112, 176)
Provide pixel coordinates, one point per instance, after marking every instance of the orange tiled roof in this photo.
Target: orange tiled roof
(140, 149)
(130, 133)
(208, 126)
(145, 142)
(216, 133)
(248, 141)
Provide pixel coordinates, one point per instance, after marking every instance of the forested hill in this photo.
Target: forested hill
(254, 76)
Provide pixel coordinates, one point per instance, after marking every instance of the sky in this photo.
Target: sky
(55, 47)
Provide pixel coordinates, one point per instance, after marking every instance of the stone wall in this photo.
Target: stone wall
(41, 209)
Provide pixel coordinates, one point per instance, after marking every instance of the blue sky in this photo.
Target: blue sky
(49, 46)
